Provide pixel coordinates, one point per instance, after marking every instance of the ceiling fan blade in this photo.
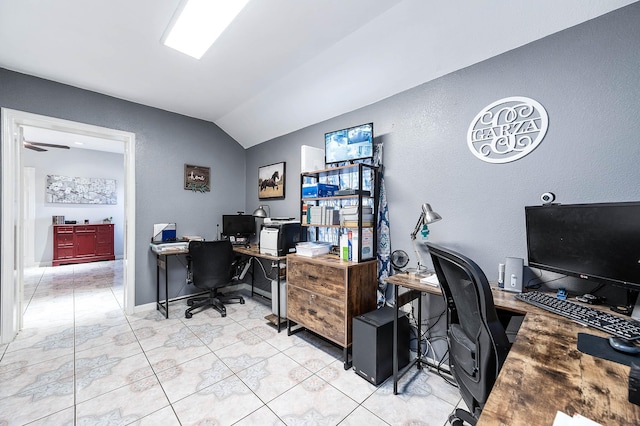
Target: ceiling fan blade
(28, 145)
(50, 145)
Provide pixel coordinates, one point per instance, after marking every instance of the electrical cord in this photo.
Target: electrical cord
(541, 283)
(264, 271)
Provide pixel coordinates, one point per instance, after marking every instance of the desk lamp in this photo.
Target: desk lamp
(427, 216)
(262, 211)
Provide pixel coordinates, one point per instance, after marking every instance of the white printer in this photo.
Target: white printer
(279, 236)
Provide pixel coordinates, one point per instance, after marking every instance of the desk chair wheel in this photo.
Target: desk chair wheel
(242, 301)
(461, 417)
(188, 315)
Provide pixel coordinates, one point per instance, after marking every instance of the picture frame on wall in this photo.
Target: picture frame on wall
(271, 181)
(197, 178)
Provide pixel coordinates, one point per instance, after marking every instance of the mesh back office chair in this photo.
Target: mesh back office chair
(478, 344)
(211, 266)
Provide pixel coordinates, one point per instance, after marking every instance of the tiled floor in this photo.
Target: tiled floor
(81, 360)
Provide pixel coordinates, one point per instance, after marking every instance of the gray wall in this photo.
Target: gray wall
(74, 163)
(164, 143)
(587, 79)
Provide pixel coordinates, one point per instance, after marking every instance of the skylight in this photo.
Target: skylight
(200, 23)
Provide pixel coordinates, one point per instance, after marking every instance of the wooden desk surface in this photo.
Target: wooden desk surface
(254, 251)
(545, 372)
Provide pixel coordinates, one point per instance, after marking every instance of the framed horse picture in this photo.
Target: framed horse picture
(271, 181)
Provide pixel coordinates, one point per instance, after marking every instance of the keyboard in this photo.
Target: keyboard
(585, 315)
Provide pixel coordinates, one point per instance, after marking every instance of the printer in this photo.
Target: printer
(278, 237)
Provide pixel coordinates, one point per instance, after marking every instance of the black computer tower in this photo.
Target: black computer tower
(372, 344)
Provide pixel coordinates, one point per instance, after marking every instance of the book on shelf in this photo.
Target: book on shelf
(354, 224)
(322, 215)
(350, 210)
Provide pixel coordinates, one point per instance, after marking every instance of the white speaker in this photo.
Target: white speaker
(513, 271)
(501, 275)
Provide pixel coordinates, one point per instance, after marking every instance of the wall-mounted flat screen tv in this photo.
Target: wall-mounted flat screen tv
(348, 145)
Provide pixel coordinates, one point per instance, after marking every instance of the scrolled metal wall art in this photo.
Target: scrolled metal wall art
(507, 129)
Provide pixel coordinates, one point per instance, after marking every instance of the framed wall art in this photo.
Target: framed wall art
(80, 190)
(197, 178)
(271, 181)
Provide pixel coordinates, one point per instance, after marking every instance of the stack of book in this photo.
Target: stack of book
(322, 215)
(349, 216)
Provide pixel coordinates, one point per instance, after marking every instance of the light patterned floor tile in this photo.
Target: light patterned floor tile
(273, 376)
(164, 357)
(309, 355)
(124, 405)
(64, 417)
(162, 417)
(361, 416)
(107, 376)
(77, 341)
(173, 335)
(245, 353)
(228, 335)
(180, 381)
(35, 354)
(316, 402)
(33, 403)
(347, 381)
(28, 377)
(408, 407)
(261, 417)
(223, 403)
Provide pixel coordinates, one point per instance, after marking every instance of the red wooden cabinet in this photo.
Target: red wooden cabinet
(82, 243)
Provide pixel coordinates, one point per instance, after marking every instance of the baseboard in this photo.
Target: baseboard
(240, 287)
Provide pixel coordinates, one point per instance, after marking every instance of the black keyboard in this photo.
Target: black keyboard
(613, 324)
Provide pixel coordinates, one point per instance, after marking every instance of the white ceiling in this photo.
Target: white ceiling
(283, 64)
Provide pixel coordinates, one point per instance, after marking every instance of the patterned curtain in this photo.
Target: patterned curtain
(384, 244)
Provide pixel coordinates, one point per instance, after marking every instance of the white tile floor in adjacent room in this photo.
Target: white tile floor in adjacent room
(81, 360)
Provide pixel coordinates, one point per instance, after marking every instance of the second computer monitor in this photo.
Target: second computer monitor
(238, 225)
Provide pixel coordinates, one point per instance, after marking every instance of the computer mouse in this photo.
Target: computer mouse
(623, 345)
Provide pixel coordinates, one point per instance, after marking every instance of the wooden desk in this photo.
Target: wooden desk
(545, 372)
(253, 251)
(162, 260)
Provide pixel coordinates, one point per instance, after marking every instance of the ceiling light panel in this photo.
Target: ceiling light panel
(200, 23)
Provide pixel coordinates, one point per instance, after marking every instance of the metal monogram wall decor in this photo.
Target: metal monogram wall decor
(507, 130)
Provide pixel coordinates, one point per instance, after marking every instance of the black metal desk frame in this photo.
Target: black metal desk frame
(162, 259)
(401, 301)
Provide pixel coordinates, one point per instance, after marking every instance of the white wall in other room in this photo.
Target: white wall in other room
(75, 163)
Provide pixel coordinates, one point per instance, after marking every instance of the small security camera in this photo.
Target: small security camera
(548, 197)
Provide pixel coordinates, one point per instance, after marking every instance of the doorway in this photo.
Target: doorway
(12, 222)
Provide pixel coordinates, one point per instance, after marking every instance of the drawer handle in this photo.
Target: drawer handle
(312, 277)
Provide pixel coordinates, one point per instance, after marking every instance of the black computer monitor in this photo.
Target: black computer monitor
(596, 242)
(238, 225)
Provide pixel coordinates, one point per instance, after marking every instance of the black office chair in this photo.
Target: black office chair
(211, 266)
(478, 344)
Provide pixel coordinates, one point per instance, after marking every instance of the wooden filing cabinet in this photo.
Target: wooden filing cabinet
(324, 294)
(82, 243)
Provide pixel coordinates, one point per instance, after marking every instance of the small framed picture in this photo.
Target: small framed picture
(197, 178)
(271, 181)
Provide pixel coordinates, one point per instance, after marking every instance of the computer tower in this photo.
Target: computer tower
(373, 343)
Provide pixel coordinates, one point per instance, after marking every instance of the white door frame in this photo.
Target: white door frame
(11, 215)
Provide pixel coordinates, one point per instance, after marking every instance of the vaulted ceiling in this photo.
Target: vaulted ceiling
(282, 64)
